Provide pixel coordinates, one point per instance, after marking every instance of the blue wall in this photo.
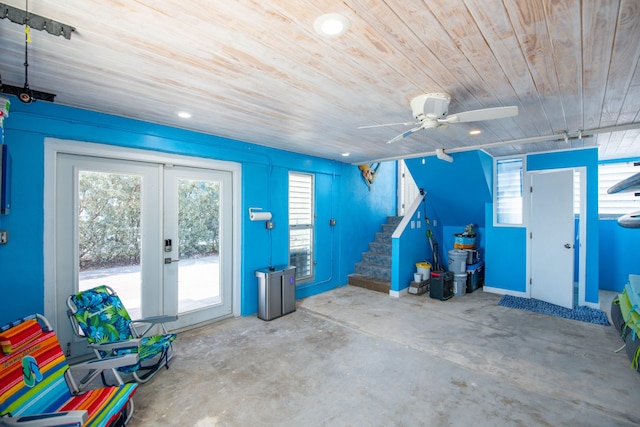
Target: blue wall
(340, 191)
(505, 256)
(460, 193)
(589, 159)
(456, 195)
(410, 247)
(619, 255)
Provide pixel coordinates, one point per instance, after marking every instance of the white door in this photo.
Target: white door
(197, 229)
(101, 200)
(552, 236)
(113, 218)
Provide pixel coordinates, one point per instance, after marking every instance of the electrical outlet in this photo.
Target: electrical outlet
(4, 237)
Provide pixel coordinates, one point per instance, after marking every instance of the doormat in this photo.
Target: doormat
(582, 313)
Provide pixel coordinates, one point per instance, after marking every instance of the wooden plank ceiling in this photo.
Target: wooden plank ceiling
(256, 71)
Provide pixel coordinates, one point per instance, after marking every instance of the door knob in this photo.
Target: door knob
(169, 260)
(568, 245)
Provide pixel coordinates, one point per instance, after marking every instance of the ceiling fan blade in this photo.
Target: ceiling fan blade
(482, 114)
(388, 124)
(404, 134)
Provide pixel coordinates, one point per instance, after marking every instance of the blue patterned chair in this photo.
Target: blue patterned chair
(98, 315)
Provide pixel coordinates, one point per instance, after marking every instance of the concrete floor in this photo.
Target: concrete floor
(353, 357)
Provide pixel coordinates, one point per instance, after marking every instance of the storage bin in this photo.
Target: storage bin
(464, 242)
(473, 256)
(475, 276)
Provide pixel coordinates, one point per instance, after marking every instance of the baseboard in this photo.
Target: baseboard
(502, 291)
(400, 293)
(592, 305)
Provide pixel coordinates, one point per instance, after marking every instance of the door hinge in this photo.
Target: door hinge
(530, 235)
(531, 189)
(530, 281)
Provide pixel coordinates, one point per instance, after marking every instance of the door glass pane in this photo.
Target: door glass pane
(109, 235)
(199, 247)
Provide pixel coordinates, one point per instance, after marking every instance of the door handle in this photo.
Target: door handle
(568, 245)
(169, 260)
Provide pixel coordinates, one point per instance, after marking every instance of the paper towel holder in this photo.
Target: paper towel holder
(259, 216)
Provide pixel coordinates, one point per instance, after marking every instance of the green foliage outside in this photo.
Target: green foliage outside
(109, 219)
(198, 218)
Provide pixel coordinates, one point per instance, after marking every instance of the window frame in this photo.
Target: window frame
(523, 177)
(295, 225)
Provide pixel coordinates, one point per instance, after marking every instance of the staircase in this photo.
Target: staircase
(374, 272)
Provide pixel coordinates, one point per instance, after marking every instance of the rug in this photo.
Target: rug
(582, 313)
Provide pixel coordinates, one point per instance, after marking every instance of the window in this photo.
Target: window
(614, 205)
(301, 216)
(508, 191)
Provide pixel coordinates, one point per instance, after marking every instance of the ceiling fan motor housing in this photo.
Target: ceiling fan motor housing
(431, 105)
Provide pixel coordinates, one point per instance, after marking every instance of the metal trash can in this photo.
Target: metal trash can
(276, 291)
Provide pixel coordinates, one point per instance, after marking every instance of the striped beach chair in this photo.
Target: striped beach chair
(37, 387)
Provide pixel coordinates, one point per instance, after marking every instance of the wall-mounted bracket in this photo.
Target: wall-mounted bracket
(36, 22)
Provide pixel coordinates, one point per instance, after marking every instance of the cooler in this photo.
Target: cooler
(441, 286)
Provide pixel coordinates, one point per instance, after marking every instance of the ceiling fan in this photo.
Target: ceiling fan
(431, 111)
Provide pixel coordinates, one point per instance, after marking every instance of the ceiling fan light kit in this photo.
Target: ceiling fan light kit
(431, 111)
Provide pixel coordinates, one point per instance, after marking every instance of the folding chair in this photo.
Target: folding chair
(98, 315)
(37, 387)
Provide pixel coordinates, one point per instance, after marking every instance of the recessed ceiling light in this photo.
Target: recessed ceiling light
(184, 114)
(331, 25)
(346, 154)
(475, 132)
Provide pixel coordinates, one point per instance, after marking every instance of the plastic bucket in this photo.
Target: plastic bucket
(459, 284)
(417, 277)
(457, 261)
(424, 268)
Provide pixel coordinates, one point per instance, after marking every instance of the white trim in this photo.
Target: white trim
(404, 222)
(400, 293)
(593, 305)
(582, 238)
(502, 291)
(53, 146)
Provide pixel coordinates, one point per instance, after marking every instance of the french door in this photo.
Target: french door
(195, 266)
(159, 235)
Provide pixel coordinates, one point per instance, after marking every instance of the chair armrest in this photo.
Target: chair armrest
(53, 419)
(96, 367)
(151, 321)
(117, 345)
(156, 319)
(110, 362)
